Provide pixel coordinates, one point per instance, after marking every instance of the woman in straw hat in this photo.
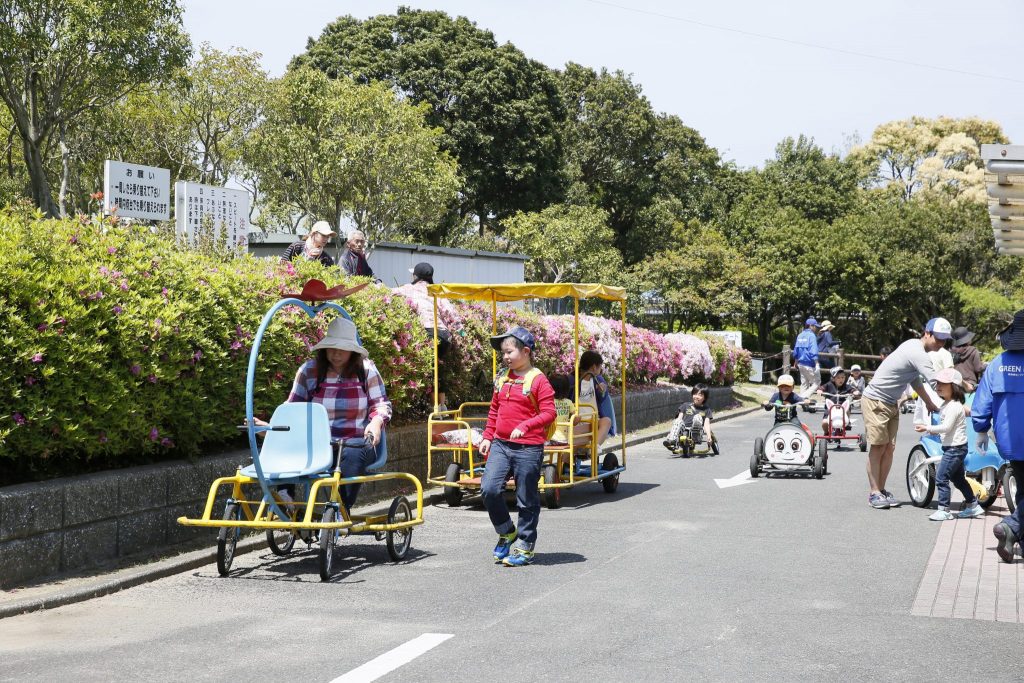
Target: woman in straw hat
(342, 377)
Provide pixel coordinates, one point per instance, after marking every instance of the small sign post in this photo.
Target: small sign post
(136, 191)
(1004, 165)
(226, 209)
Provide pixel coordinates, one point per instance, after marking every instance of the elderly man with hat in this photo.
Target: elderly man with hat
(805, 353)
(314, 247)
(826, 344)
(966, 358)
(880, 402)
(999, 405)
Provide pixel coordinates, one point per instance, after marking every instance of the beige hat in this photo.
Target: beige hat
(341, 334)
(322, 227)
(827, 325)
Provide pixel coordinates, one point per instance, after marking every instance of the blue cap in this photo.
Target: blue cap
(520, 333)
(939, 328)
(811, 321)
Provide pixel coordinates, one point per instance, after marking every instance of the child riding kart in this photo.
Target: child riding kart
(789, 444)
(839, 395)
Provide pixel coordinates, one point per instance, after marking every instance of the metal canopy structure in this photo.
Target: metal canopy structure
(1004, 167)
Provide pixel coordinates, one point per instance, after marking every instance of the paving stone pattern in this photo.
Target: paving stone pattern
(965, 579)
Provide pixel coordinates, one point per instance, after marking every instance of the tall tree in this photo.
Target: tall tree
(500, 112)
(60, 59)
(940, 154)
(333, 149)
(566, 244)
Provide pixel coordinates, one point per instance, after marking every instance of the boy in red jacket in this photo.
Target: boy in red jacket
(522, 407)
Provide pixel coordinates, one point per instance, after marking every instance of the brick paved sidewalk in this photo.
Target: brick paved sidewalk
(965, 579)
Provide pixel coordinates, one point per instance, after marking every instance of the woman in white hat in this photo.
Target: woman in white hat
(343, 378)
(314, 247)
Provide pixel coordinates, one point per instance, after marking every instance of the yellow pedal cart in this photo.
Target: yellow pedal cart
(298, 450)
(565, 465)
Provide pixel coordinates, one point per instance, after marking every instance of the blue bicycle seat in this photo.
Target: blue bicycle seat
(303, 450)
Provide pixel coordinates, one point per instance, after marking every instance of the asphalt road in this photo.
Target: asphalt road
(671, 578)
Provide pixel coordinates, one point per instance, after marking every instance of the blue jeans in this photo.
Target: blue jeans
(1014, 521)
(523, 463)
(355, 459)
(951, 469)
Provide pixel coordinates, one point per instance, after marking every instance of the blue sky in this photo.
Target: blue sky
(745, 74)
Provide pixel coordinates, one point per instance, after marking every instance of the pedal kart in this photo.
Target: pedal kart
(691, 441)
(985, 469)
(836, 422)
(789, 446)
(298, 450)
(565, 465)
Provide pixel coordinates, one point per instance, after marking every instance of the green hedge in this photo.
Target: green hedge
(120, 348)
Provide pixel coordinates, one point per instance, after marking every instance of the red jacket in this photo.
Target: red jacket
(510, 409)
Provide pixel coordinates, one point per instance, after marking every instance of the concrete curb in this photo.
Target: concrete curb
(134, 576)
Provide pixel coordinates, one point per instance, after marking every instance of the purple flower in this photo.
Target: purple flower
(103, 437)
(163, 292)
(95, 296)
(235, 345)
(166, 443)
(73, 239)
(111, 250)
(152, 379)
(124, 285)
(104, 270)
(38, 358)
(135, 369)
(41, 327)
(19, 419)
(30, 380)
(197, 356)
(154, 434)
(117, 309)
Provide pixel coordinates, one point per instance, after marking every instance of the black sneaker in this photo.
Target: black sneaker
(1007, 538)
(667, 443)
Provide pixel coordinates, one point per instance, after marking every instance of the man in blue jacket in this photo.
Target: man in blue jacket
(805, 353)
(999, 402)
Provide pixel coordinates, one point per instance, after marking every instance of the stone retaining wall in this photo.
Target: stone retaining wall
(77, 523)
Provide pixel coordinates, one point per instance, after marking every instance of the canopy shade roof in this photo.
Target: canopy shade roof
(526, 290)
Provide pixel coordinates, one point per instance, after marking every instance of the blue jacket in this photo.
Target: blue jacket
(999, 401)
(805, 350)
(825, 342)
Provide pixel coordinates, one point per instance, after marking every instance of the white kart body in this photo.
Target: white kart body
(787, 446)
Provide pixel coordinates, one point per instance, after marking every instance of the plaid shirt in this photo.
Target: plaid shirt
(349, 408)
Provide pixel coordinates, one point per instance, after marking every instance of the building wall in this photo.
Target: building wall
(391, 261)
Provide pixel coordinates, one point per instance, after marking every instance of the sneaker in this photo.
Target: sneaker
(878, 501)
(519, 557)
(941, 515)
(974, 511)
(1007, 538)
(287, 503)
(504, 545)
(891, 499)
(667, 443)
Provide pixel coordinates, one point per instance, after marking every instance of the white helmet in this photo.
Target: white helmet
(785, 380)
(854, 368)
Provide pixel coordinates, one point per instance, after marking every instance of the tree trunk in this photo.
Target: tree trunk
(41, 192)
(65, 176)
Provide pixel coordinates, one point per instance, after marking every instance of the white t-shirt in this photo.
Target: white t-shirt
(941, 359)
(952, 425)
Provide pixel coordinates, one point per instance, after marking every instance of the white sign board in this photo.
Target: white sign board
(227, 211)
(734, 337)
(136, 191)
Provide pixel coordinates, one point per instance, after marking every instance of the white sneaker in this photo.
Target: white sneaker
(974, 511)
(941, 515)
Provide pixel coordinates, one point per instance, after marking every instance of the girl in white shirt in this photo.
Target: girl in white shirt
(952, 428)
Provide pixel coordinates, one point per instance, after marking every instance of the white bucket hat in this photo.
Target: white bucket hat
(341, 334)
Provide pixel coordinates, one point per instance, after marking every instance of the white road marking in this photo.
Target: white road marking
(740, 479)
(392, 659)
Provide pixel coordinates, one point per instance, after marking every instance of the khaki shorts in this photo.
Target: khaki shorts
(881, 421)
